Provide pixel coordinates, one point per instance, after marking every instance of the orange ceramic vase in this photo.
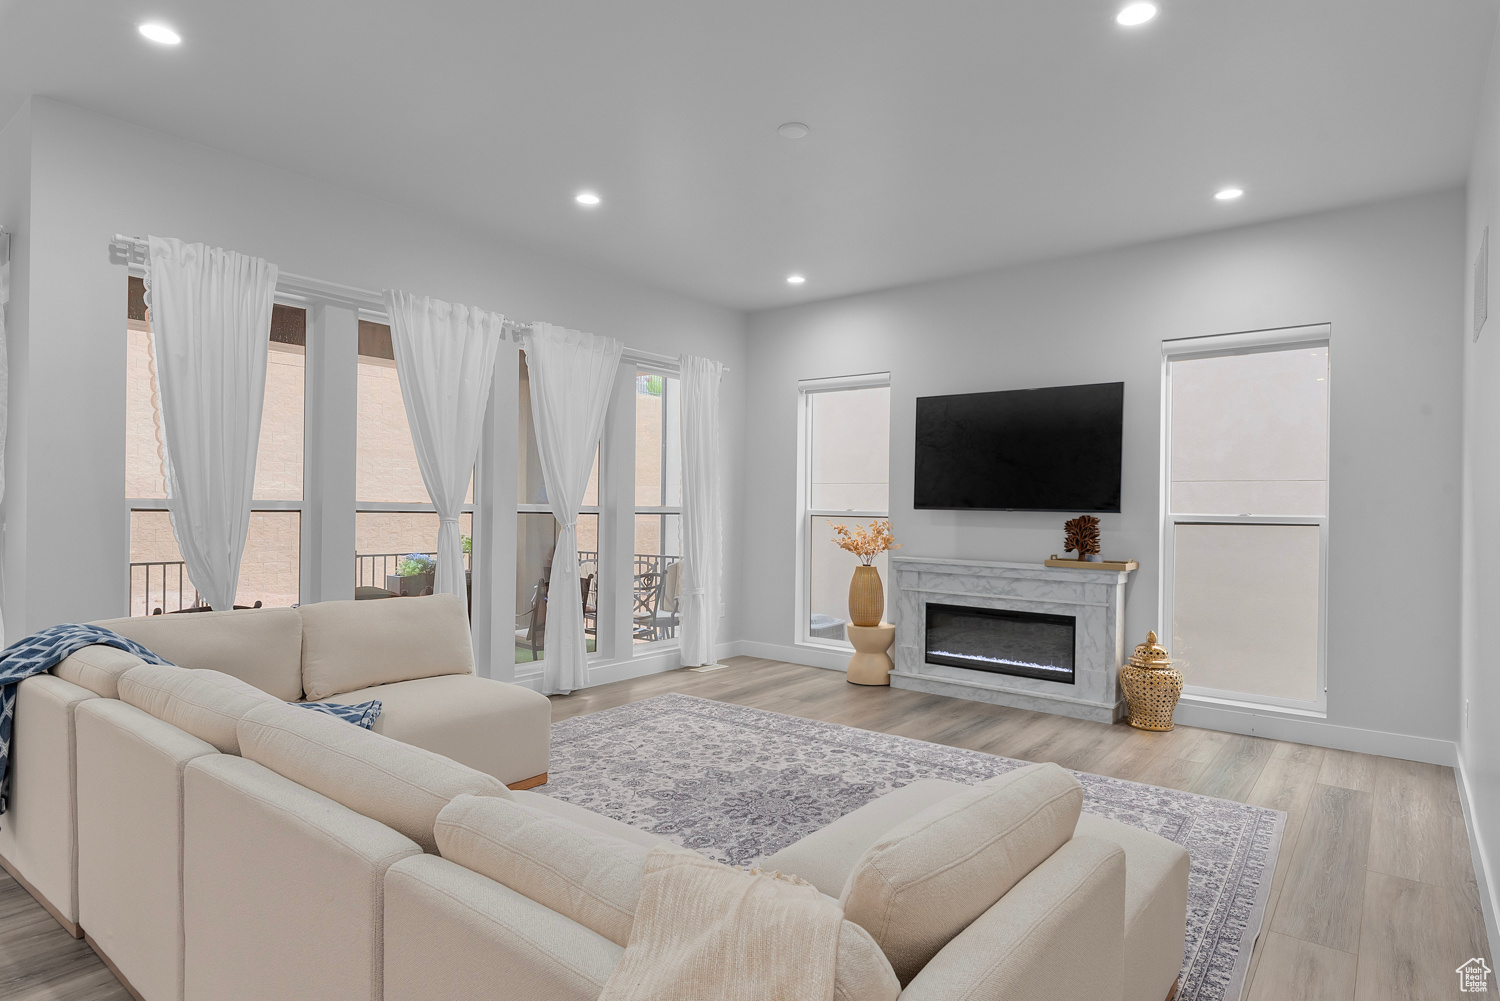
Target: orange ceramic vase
(866, 597)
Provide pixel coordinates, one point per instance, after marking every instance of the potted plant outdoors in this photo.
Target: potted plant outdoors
(866, 593)
(414, 575)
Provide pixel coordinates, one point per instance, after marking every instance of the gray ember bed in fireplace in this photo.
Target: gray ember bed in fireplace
(1001, 641)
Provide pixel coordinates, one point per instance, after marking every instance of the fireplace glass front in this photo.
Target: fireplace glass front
(1001, 641)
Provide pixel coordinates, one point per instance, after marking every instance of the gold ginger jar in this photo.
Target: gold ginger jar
(1152, 686)
(866, 597)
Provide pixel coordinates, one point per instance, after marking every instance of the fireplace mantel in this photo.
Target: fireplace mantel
(1094, 598)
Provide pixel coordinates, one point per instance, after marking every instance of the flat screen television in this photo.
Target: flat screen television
(1054, 449)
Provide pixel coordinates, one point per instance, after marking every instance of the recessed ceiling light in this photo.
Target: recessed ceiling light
(1228, 194)
(1133, 14)
(586, 198)
(793, 130)
(160, 33)
(795, 279)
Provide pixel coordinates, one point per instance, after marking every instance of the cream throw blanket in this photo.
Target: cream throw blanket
(706, 932)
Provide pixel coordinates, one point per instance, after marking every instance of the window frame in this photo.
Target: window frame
(662, 511)
(603, 645)
(396, 507)
(306, 539)
(806, 512)
(1217, 346)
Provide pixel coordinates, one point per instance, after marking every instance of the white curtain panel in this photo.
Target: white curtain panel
(4, 399)
(702, 512)
(210, 331)
(572, 374)
(445, 359)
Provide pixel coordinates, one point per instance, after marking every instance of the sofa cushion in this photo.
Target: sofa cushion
(206, 704)
(585, 817)
(583, 874)
(349, 645)
(826, 857)
(261, 646)
(97, 668)
(402, 786)
(595, 878)
(502, 730)
(928, 877)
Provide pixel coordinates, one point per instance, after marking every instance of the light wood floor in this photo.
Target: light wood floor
(1374, 897)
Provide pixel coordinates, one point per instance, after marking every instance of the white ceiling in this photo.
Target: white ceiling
(947, 137)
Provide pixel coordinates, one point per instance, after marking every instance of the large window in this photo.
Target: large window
(1245, 523)
(656, 570)
(271, 568)
(845, 477)
(395, 525)
(536, 540)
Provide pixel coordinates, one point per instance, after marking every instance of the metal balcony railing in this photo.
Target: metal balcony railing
(161, 586)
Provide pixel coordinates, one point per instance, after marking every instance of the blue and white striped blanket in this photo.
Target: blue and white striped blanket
(44, 650)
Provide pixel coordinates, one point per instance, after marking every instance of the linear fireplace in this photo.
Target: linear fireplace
(1001, 641)
(959, 621)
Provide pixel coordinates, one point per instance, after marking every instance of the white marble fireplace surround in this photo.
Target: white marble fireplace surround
(1095, 598)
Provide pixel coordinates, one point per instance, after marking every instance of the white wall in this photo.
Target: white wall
(92, 177)
(15, 216)
(1479, 735)
(1386, 276)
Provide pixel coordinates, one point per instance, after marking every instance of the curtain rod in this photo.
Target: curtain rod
(133, 251)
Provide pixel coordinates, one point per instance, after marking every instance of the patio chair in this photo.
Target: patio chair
(648, 588)
(669, 603)
(590, 604)
(533, 634)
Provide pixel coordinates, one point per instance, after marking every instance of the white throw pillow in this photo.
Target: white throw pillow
(930, 876)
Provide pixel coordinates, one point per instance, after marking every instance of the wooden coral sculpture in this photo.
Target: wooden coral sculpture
(1081, 534)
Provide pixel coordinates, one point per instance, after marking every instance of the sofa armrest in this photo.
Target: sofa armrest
(39, 834)
(1059, 933)
(282, 888)
(130, 767)
(452, 933)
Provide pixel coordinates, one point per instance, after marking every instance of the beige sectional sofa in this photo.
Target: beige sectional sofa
(413, 654)
(230, 846)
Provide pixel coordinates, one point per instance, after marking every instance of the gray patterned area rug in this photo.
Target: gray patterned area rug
(738, 784)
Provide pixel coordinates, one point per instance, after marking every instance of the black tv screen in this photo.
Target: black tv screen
(1052, 449)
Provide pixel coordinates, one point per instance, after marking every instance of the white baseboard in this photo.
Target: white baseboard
(1321, 733)
(804, 654)
(604, 672)
(1482, 874)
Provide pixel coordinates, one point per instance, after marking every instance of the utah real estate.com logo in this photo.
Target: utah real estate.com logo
(1473, 977)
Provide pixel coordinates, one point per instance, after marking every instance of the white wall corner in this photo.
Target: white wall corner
(1482, 872)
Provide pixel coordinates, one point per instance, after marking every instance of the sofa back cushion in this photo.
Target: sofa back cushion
(349, 645)
(206, 704)
(402, 786)
(595, 879)
(930, 876)
(97, 668)
(262, 646)
(583, 874)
